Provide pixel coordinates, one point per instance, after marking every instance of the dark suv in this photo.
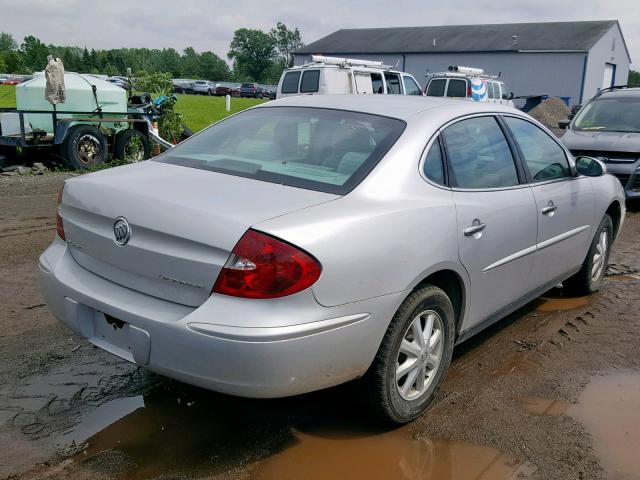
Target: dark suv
(250, 90)
(608, 128)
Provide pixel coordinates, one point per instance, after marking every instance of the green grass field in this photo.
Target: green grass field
(198, 111)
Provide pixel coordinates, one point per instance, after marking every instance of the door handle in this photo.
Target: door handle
(550, 208)
(476, 227)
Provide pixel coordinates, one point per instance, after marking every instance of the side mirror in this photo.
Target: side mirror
(574, 111)
(510, 96)
(590, 167)
(564, 124)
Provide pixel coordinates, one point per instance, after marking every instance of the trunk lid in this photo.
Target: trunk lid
(184, 222)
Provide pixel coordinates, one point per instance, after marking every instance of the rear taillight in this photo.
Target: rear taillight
(59, 224)
(261, 266)
(469, 91)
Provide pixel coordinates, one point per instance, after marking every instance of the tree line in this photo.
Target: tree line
(255, 56)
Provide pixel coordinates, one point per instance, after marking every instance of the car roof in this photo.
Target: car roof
(633, 92)
(395, 106)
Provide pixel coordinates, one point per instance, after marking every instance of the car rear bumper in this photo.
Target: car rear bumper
(221, 345)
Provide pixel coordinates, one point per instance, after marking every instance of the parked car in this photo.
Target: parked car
(11, 81)
(468, 84)
(335, 75)
(251, 90)
(608, 128)
(223, 89)
(182, 86)
(203, 87)
(387, 239)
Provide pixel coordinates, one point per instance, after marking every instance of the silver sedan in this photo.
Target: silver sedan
(319, 239)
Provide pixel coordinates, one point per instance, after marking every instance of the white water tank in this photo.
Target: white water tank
(79, 98)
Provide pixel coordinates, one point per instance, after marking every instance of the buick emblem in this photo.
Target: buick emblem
(121, 231)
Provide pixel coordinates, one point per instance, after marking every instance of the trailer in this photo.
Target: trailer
(88, 121)
(82, 139)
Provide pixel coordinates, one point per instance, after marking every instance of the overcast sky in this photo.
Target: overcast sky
(209, 25)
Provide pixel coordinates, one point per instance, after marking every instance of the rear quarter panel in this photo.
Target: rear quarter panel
(385, 236)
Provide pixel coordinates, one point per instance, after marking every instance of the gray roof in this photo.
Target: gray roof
(551, 36)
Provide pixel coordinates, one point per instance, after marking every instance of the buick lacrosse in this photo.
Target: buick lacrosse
(318, 239)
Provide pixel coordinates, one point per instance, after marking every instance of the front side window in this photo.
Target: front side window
(290, 82)
(544, 158)
(310, 81)
(410, 86)
(436, 87)
(479, 155)
(613, 114)
(313, 148)
(457, 88)
(505, 94)
(393, 83)
(433, 165)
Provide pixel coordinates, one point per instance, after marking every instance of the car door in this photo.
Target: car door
(564, 202)
(496, 214)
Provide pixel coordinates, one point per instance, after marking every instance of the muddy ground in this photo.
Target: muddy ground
(552, 392)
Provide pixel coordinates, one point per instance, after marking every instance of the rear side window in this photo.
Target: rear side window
(313, 148)
(436, 87)
(393, 83)
(479, 155)
(310, 80)
(410, 86)
(490, 91)
(433, 165)
(457, 88)
(545, 159)
(290, 82)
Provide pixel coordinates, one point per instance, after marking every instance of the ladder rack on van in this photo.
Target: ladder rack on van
(346, 62)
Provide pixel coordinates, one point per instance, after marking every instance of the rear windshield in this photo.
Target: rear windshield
(290, 82)
(436, 87)
(312, 148)
(247, 85)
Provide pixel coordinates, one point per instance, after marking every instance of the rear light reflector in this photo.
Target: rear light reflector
(59, 224)
(261, 266)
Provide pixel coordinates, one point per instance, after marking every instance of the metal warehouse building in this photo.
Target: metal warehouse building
(564, 59)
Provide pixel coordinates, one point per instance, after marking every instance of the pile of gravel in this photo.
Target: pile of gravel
(550, 112)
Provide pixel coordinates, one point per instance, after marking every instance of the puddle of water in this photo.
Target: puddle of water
(545, 406)
(200, 433)
(389, 456)
(103, 416)
(554, 304)
(609, 408)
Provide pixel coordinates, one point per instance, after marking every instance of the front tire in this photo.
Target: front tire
(589, 279)
(414, 356)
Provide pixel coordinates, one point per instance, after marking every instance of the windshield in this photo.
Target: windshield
(621, 114)
(313, 148)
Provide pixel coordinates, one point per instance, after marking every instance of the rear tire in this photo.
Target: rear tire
(132, 145)
(589, 279)
(85, 146)
(405, 376)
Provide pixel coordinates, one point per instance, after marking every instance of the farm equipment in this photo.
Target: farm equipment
(90, 121)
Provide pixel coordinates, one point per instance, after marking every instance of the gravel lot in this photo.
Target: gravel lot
(552, 392)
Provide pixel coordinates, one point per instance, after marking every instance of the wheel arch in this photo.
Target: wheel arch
(614, 210)
(453, 284)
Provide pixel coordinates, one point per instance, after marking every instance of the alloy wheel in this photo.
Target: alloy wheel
(599, 256)
(419, 355)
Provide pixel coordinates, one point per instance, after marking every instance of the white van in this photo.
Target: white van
(334, 75)
(470, 84)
